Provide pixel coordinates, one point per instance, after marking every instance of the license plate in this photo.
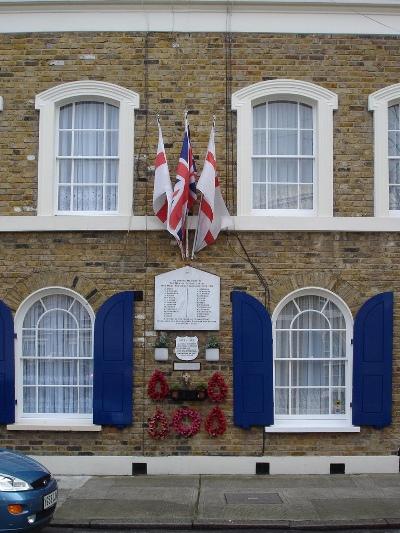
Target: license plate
(50, 499)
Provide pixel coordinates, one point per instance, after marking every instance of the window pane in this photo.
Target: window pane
(335, 316)
(111, 171)
(88, 171)
(282, 170)
(282, 373)
(306, 142)
(57, 319)
(282, 401)
(86, 372)
(259, 170)
(89, 143)
(89, 115)
(112, 143)
(394, 143)
(33, 315)
(58, 400)
(282, 196)
(59, 301)
(64, 198)
(311, 302)
(306, 116)
(310, 401)
(338, 344)
(310, 344)
(57, 343)
(310, 373)
(112, 117)
(306, 170)
(259, 142)
(65, 143)
(338, 401)
(259, 200)
(66, 117)
(394, 197)
(282, 349)
(85, 343)
(88, 198)
(259, 116)
(29, 372)
(282, 114)
(111, 198)
(286, 315)
(394, 171)
(64, 172)
(306, 196)
(81, 315)
(311, 320)
(394, 123)
(29, 400)
(85, 400)
(282, 142)
(58, 372)
(338, 374)
(28, 343)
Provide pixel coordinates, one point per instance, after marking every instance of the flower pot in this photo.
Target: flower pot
(212, 354)
(161, 354)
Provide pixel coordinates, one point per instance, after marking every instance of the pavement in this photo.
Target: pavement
(227, 502)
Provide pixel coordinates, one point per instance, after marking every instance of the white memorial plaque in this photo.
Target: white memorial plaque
(187, 348)
(186, 366)
(187, 299)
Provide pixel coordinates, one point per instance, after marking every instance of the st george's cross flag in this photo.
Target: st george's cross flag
(162, 192)
(213, 214)
(184, 194)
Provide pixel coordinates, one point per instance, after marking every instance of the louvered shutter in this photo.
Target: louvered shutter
(7, 373)
(113, 361)
(252, 362)
(372, 362)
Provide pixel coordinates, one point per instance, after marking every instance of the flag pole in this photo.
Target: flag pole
(197, 226)
(187, 210)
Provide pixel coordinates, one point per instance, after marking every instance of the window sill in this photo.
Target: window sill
(42, 425)
(312, 428)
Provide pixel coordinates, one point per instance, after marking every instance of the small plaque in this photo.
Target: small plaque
(187, 348)
(186, 366)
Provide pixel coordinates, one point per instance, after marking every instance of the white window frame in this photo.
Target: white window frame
(60, 421)
(379, 102)
(324, 102)
(48, 103)
(317, 423)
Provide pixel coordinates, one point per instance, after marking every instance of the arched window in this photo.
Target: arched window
(386, 106)
(54, 356)
(86, 141)
(284, 148)
(312, 357)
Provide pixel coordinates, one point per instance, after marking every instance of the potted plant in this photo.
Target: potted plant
(212, 349)
(161, 349)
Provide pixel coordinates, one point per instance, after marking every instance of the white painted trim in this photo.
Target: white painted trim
(379, 102)
(324, 103)
(1, 103)
(52, 422)
(32, 224)
(324, 17)
(218, 465)
(42, 425)
(47, 103)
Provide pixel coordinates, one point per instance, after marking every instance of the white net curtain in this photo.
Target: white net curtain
(87, 158)
(310, 358)
(283, 156)
(57, 357)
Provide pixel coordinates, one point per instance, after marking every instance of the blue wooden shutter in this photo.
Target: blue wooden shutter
(113, 361)
(7, 376)
(372, 362)
(252, 362)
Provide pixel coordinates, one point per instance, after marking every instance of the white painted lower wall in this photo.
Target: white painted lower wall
(187, 465)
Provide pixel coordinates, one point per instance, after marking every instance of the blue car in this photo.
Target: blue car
(28, 493)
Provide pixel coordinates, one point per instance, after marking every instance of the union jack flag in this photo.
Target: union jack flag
(184, 195)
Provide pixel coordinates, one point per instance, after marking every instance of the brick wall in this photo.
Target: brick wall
(181, 71)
